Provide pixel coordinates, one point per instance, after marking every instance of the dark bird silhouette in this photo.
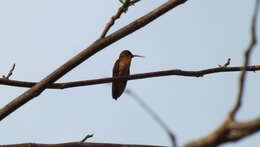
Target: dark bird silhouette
(121, 68)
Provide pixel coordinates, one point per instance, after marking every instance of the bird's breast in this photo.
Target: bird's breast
(124, 64)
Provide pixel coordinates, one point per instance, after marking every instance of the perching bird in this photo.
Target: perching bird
(121, 68)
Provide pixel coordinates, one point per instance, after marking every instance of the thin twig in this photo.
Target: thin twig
(120, 11)
(86, 54)
(247, 54)
(153, 115)
(227, 63)
(10, 73)
(177, 72)
(87, 137)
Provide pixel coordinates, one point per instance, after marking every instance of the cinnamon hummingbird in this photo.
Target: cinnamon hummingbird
(121, 68)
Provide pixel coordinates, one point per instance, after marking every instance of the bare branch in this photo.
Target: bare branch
(77, 144)
(10, 73)
(177, 72)
(242, 130)
(247, 54)
(85, 54)
(231, 130)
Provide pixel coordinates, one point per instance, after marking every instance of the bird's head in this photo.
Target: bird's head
(127, 53)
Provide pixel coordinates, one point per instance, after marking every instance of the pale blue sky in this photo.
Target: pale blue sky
(40, 35)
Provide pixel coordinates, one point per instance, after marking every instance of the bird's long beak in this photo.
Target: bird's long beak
(138, 56)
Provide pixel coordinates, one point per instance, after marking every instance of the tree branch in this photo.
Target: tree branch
(231, 130)
(247, 54)
(177, 72)
(244, 129)
(85, 54)
(77, 144)
(156, 117)
(240, 130)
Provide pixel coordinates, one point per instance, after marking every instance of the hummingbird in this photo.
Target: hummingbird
(121, 68)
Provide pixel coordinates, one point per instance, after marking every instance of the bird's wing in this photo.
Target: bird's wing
(118, 86)
(116, 68)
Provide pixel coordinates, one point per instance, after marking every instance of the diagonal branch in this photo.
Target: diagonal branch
(85, 54)
(156, 117)
(228, 132)
(244, 129)
(177, 72)
(247, 54)
(231, 130)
